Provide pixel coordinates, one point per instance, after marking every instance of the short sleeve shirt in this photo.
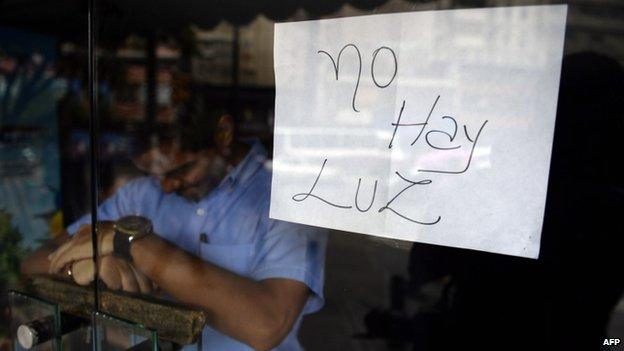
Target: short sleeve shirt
(231, 228)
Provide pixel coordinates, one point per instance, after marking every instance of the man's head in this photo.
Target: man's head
(189, 163)
(202, 172)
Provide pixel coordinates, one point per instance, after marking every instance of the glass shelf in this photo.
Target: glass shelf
(114, 334)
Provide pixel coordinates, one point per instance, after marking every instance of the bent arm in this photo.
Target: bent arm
(258, 313)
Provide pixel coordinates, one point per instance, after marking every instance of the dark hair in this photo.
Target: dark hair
(194, 134)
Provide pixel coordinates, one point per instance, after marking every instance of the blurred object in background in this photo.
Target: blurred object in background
(10, 257)
(30, 197)
(29, 150)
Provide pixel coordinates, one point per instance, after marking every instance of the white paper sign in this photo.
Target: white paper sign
(433, 127)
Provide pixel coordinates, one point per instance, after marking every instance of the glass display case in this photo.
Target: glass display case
(36, 323)
(158, 121)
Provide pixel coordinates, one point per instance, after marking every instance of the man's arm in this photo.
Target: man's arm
(110, 209)
(38, 262)
(258, 313)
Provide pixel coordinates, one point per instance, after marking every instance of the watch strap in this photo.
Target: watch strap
(121, 245)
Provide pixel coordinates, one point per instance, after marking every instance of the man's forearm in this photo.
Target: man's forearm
(38, 262)
(245, 309)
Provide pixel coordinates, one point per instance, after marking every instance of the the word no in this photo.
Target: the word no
(382, 85)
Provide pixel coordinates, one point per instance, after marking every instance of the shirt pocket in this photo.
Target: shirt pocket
(235, 258)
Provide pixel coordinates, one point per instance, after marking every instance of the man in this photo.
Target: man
(213, 245)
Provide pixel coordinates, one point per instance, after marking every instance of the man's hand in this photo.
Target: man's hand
(80, 247)
(117, 274)
(258, 313)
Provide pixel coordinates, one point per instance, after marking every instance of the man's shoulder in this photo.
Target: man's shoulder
(261, 180)
(142, 185)
(144, 182)
(253, 197)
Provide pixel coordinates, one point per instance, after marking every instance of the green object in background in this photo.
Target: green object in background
(11, 253)
(10, 256)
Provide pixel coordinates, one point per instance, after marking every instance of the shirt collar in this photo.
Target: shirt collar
(248, 166)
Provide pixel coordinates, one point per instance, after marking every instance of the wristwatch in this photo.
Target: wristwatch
(127, 230)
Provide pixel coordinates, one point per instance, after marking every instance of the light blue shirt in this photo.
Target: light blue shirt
(240, 236)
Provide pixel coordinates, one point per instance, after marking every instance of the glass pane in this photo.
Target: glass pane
(35, 323)
(44, 176)
(186, 114)
(114, 334)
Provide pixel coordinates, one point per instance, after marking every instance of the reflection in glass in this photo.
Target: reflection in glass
(166, 68)
(113, 334)
(35, 323)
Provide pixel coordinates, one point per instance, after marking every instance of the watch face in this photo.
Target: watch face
(133, 225)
